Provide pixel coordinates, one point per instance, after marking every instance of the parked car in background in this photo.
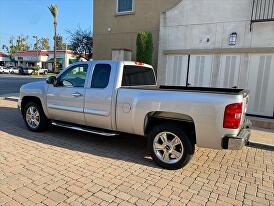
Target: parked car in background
(43, 71)
(27, 71)
(1, 69)
(14, 70)
(6, 70)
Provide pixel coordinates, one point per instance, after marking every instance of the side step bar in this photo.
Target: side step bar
(84, 129)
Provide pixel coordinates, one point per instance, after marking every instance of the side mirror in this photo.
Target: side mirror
(52, 80)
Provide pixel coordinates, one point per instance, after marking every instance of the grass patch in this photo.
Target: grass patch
(43, 76)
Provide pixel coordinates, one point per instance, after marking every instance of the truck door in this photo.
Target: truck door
(98, 99)
(66, 101)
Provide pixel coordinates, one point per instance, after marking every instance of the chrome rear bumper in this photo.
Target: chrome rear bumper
(238, 142)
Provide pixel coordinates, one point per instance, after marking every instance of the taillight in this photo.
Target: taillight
(232, 116)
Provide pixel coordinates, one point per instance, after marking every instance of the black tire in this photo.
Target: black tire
(188, 147)
(43, 123)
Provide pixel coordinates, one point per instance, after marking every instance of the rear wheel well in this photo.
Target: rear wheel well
(187, 125)
(28, 99)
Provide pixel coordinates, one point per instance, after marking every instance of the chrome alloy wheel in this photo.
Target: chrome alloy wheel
(33, 117)
(168, 147)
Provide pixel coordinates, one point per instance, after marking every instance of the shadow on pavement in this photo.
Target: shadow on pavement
(129, 148)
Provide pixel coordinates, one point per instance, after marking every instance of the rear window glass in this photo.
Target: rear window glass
(138, 76)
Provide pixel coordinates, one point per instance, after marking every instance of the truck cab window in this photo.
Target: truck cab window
(138, 76)
(100, 77)
(74, 76)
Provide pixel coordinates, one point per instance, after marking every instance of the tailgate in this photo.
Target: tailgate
(245, 106)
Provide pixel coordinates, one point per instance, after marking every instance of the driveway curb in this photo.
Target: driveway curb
(261, 145)
(10, 97)
(14, 99)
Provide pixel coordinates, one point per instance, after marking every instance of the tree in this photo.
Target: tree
(144, 45)
(19, 43)
(45, 44)
(59, 43)
(81, 42)
(41, 44)
(53, 8)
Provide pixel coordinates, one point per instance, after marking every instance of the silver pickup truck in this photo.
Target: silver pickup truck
(113, 97)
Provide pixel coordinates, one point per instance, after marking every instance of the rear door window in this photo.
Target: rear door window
(101, 75)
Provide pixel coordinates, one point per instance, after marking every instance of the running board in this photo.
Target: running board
(81, 129)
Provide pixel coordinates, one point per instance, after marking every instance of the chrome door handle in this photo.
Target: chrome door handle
(76, 94)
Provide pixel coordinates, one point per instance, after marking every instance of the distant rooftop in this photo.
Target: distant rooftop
(41, 52)
(3, 54)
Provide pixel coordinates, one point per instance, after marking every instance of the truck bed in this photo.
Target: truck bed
(229, 91)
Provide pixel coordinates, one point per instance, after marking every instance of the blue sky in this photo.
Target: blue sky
(32, 17)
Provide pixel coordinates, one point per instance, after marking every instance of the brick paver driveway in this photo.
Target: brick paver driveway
(67, 167)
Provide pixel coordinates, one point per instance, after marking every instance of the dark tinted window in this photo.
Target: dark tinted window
(138, 76)
(125, 5)
(100, 77)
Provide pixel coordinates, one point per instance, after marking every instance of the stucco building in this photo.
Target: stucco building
(44, 58)
(117, 22)
(4, 59)
(208, 43)
(220, 43)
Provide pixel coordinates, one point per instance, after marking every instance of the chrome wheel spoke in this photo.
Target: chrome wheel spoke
(158, 146)
(175, 141)
(163, 137)
(31, 110)
(36, 123)
(176, 154)
(28, 117)
(36, 114)
(166, 156)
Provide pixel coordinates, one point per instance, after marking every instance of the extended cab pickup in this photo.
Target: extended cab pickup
(113, 97)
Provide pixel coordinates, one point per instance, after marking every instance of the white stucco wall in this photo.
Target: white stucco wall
(62, 55)
(191, 23)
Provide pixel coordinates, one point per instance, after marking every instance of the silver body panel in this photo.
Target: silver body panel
(126, 109)
(205, 109)
(63, 106)
(99, 102)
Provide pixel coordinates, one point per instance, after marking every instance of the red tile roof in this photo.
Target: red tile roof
(40, 53)
(31, 53)
(3, 55)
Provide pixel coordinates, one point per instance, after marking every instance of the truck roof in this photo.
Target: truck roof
(132, 63)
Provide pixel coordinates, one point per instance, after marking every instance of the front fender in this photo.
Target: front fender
(37, 90)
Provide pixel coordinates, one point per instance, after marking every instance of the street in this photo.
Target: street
(12, 83)
(65, 167)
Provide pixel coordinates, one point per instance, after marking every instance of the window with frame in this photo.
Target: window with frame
(101, 75)
(74, 76)
(124, 6)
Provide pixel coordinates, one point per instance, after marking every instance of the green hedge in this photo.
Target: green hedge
(144, 47)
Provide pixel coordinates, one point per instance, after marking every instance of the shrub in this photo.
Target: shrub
(35, 70)
(144, 47)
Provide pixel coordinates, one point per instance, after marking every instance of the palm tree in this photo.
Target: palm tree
(54, 11)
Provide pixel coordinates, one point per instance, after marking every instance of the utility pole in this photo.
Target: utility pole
(36, 38)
